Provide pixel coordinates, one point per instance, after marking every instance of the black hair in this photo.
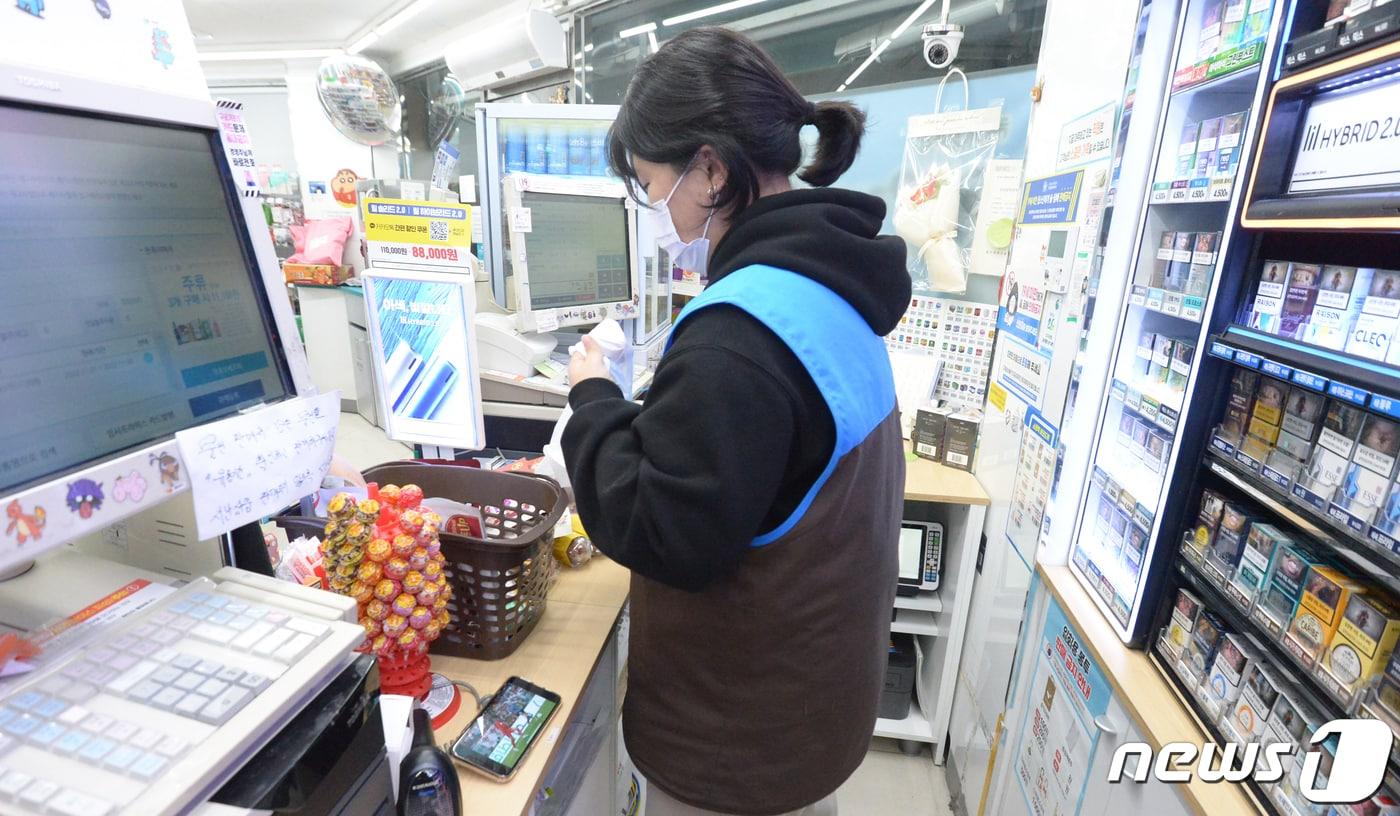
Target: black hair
(712, 86)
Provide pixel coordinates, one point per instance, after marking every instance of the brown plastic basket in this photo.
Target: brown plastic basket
(499, 587)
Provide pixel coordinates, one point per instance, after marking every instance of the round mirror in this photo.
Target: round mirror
(359, 98)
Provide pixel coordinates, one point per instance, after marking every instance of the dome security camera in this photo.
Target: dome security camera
(941, 43)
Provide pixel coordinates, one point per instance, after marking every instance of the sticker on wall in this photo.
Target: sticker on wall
(316, 187)
(131, 487)
(169, 468)
(103, 9)
(161, 50)
(25, 526)
(343, 187)
(34, 7)
(85, 497)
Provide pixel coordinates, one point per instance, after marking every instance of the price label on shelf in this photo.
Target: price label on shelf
(1198, 190)
(1167, 418)
(1385, 405)
(1149, 408)
(1310, 498)
(1221, 189)
(1193, 308)
(1307, 379)
(1161, 192)
(1179, 192)
(1222, 447)
(1237, 595)
(1274, 476)
(1155, 297)
(1274, 369)
(1347, 393)
(1248, 360)
(1222, 351)
(1352, 522)
(1139, 296)
(1171, 304)
(1384, 541)
(1247, 460)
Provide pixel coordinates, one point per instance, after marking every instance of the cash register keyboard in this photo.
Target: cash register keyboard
(168, 705)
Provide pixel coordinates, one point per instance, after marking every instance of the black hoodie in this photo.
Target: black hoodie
(733, 432)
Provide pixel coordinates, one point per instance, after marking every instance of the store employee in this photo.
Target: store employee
(756, 496)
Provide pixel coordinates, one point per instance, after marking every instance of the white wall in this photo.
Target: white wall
(320, 149)
(1083, 64)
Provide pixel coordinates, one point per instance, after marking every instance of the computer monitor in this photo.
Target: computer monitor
(134, 306)
(573, 250)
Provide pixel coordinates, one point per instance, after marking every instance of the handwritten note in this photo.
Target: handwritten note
(248, 466)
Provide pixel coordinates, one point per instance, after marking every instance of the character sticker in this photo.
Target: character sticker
(85, 497)
(169, 468)
(24, 526)
(131, 487)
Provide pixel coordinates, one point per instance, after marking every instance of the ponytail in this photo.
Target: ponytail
(839, 128)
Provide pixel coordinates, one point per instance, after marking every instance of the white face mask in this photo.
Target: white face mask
(690, 255)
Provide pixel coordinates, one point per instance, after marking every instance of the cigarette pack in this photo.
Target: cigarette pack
(1258, 427)
(1290, 568)
(1212, 20)
(1324, 472)
(1230, 538)
(1207, 245)
(1143, 364)
(1206, 143)
(1285, 464)
(1378, 445)
(1298, 300)
(1162, 261)
(1227, 153)
(1200, 650)
(1186, 148)
(1243, 386)
(1268, 401)
(1364, 641)
(1326, 594)
(1268, 297)
(1232, 27)
(1183, 621)
(1233, 427)
(1293, 714)
(1371, 336)
(1183, 353)
(1361, 492)
(1183, 250)
(1256, 702)
(1158, 451)
(960, 439)
(1387, 518)
(1340, 427)
(1383, 298)
(1234, 654)
(1212, 507)
(1161, 358)
(1295, 447)
(929, 424)
(1302, 412)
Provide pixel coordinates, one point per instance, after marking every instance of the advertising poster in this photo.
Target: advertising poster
(1024, 371)
(425, 356)
(1087, 139)
(1052, 200)
(420, 233)
(1035, 475)
(1057, 735)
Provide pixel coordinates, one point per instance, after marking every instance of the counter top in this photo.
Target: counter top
(347, 288)
(929, 481)
(1154, 703)
(559, 655)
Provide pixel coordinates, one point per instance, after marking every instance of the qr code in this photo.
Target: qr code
(437, 230)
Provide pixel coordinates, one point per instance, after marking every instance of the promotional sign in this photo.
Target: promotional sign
(445, 164)
(417, 232)
(424, 341)
(1024, 372)
(238, 146)
(1087, 139)
(1035, 475)
(1058, 736)
(996, 218)
(1349, 140)
(1022, 304)
(1052, 200)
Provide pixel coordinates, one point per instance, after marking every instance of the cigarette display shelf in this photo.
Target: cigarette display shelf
(1232, 70)
(1182, 307)
(1364, 383)
(1162, 410)
(1367, 557)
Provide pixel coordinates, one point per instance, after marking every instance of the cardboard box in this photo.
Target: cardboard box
(960, 439)
(322, 274)
(1303, 412)
(1227, 152)
(927, 437)
(1299, 299)
(1268, 401)
(1341, 425)
(1364, 642)
(1326, 594)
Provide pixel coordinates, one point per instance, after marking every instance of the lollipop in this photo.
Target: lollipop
(332, 528)
(362, 592)
(404, 605)
(404, 545)
(411, 521)
(443, 618)
(357, 533)
(372, 628)
(346, 569)
(396, 568)
(409, 640)
(432, 630)
(432, 571)
(418, 559)
(386, 590)
(420, 617)
(413, 582)
(389, 495)
(440, 605)
(369, 571)
(379, 644)
(340, 506)
(367, 511)
(429, 594)
(378, 551)
(376, 610)
(410, 496)
(394, 625)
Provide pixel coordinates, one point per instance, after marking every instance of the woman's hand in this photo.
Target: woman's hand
(589, 365)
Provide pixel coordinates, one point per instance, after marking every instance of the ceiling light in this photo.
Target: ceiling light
(364, 42)
(646, 28)
(874, 55)
(706, 12)
(405, 14)
(243, 56)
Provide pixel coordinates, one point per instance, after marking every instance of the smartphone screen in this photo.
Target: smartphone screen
(501, 735)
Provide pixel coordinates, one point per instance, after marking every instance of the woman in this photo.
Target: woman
(756, 496)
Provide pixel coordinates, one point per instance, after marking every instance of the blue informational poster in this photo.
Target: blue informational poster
(1057, 737)
(425, 363)
(1052, 200)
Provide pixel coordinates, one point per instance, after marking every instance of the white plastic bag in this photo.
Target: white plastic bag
(618, 352)
(940, 190)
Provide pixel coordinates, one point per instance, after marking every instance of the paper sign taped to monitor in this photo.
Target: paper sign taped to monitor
(253, 465)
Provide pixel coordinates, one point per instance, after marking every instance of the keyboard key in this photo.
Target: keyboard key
(6, 743)
(212, 687)
(100, 656)
(165, 655)
(7, 714)
(122, 662)
(74, 715)
(185, 661)
(13, 782)
(216, 601)
(183, 624)
(255, 633)
(101, 677)
(147, 739)
(147, 767)
(122, 643)
(236, 607)
(53, 684)
(134, 675)
(199, 597)
(79, 692)
(146, 648)
(162, 618)
(229, 674)
(199, 613)
(22, 726)
(96, 749)
(181, 607)
(39, 792)
(166, 637)
(240, 623)
(255, 682)
(189, 681)
(172, 746)
(167, 698)
(143, 691)
(123, 731)
(97, 723)
(225, 705)
(209, 667)
(47, 734)
(272, 642)
(73, 803)
(78, 670)
(71, 742)
(27, 701)
(191, 704)
(165, 675)
(50, 708)
(277, 618)
(145, 630)
(309, 627)
(220, 618)
(294, 648)
(222, 635)
(122, 757)
(256, 611)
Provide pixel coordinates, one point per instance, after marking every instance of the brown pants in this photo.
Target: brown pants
(660, 804)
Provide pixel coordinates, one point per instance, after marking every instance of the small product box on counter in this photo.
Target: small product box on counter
(1364, 642)
(960, 439)
(927, 438)
(1320, 611)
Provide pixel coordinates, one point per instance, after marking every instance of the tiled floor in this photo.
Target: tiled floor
(887, 782)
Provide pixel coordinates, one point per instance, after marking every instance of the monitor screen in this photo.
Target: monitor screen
(911, 554)
(131, 306)
(577, 250)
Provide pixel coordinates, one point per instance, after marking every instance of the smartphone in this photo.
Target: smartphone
(496, 742)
